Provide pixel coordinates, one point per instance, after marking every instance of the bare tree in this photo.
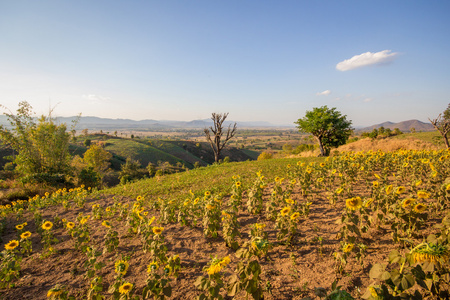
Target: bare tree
(442, 124)
(217, 130)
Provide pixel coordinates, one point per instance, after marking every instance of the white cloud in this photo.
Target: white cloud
(324, 93)
(366, 59)
(96, 98)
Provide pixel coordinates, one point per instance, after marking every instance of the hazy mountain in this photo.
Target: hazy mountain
(404, 126)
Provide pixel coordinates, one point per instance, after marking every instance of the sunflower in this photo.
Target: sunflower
(428, 252)
(106, 224)
(210, 207)
(207, 193)
(289, 201)
(217, 265)
(368, 202)
(157, 230)
(70, 225)
(152, 267)
(400, 190)
(54, 292)
(389, 189)
(407, 202)
(19, 227)
(420, 208)
(11, 245)
(139, 198)
(47, 225)
(238, 183)
(295, 216)
(353, 203)
(447, 188)
(83, 220)
(348, 248)
(259, 226)
(225, 261)
(125, 288)
(25, 235)
(422, 194)
(285, 211)
(121, 267)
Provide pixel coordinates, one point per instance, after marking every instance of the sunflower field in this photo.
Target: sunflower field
(358, 225)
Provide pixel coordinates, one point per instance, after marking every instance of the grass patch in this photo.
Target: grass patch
(213, 178)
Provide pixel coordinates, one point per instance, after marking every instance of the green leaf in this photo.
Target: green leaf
(408, 281)
(167, 291)
(376, 271)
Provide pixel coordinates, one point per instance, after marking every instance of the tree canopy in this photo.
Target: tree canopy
(328, 126)
(42, 147)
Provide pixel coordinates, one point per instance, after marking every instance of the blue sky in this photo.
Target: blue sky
(375, 61)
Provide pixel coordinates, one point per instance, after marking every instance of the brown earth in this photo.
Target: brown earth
(293, 271)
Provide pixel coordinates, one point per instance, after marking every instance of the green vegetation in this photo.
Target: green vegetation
(42, 148)
(328, 126)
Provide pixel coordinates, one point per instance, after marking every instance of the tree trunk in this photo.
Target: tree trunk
(446, 141)
(322, 150)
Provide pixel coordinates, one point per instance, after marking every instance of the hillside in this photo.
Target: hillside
(310, 232)
(404, 126)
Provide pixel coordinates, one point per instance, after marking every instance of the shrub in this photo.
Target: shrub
(265, 155)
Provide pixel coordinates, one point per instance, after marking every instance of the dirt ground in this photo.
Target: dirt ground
(293, 271)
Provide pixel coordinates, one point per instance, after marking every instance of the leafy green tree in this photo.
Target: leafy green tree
(328, 126)
(97, 158)
(42, 147)
(131, 170)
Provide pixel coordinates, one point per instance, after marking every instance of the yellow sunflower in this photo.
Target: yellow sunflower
(11, 245)
(70, 225)
(260, 226)
(295, 216)
(289, 201)
(25, 235)
(353, 203)
(422, 194)
(157, 230)
(152, 267)
(54, 292)
(389, 189)
(419, 208)
(106, 224)
(407, 202)
(19, 227)
(47, 225)
(285, 211)
(238, 183)
(121, 267)
(348, 248)
(400, 190)
(125, 288)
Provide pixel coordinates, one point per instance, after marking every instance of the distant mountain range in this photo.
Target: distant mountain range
(404, 126)
(96, 123)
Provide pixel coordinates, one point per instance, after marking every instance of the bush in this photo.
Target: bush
(265, 155)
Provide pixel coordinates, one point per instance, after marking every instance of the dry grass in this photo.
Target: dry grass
(386, 145)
